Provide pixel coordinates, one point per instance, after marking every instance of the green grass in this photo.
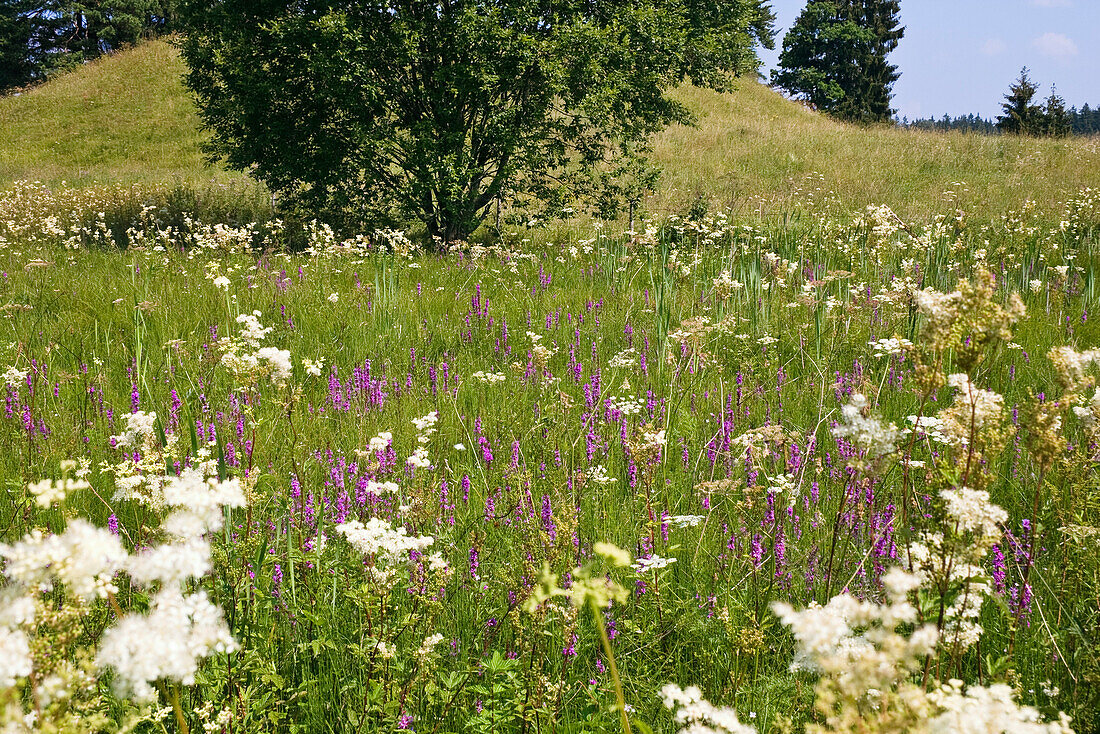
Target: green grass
(127, 118)
(100, 324)
(124, 118)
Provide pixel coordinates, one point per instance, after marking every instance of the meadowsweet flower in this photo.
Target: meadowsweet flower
(652, 563)
(140, 429)
(221, 282)
(84, 558)
(428, 645)
(171, 563)
(333, 297)
(49, 492)
(986, 709)
(887, 347)
(15, 657)
(382, 441)
(379, 539)
(868, 433)
(14, 377)
(313, 367)
(166, 643)
(598, 474)
(974, 513)
(685, 521)
(425, 424)
(695, 715)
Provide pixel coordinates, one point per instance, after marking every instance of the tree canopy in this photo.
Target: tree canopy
(835, 57)
(381, 110)
(41, 37)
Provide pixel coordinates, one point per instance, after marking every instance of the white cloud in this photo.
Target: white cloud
(994, 47)
(1056, 45)
(1051, 3)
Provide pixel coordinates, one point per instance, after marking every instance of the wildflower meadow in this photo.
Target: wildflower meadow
(825, 470)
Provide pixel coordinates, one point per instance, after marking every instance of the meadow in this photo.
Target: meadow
(818, 464)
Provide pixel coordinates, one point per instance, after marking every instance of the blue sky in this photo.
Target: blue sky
(960, 56)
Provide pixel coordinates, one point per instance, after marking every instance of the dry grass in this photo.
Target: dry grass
(753, 148)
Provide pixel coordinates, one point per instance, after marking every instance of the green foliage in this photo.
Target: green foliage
(834, 57)
(388, 110)
(1021, 116)
(39, 38)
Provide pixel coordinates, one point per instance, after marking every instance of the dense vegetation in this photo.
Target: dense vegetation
(780, 457)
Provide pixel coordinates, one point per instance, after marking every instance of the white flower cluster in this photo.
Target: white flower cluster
(313, 366)
(13, 377)
(652, 563)
(166, 643)
(598, 474)
(696, 715)
(974, 513)
(48, 492)
(887, 347)
(624, 358)
(931, 427)
(954, 562)
(685, 521)
(84, 558)
(489, 378)
(248, 361)
(382, 441)
(980, 710)
(178, 631)
(427, 647)
(829, 640)
(140, 430)
(974, 408)
(867, 433)
(425, 427)
(380, 540)
(627, 405)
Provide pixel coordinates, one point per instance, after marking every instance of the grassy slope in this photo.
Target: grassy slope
(128, 118)
(755, 145)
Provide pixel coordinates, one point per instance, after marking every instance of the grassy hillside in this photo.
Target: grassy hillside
(754, 147)
(128, 119)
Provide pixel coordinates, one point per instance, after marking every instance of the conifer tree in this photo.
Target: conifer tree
(835, 57)
(1055, 120)
(1021, 116)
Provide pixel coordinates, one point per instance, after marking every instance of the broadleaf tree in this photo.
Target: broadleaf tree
(435, 110)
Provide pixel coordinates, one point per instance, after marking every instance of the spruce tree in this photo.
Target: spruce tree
(1021, 116)
(1055, 119)
(16, 68)
(835, 57)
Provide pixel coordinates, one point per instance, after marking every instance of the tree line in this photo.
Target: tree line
(1022, 115)
(40, 38)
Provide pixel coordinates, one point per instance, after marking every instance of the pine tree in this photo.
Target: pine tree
(1055, 119)
(1021, 116)
(834, 57)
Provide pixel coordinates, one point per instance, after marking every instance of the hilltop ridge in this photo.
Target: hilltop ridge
(128, 118)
